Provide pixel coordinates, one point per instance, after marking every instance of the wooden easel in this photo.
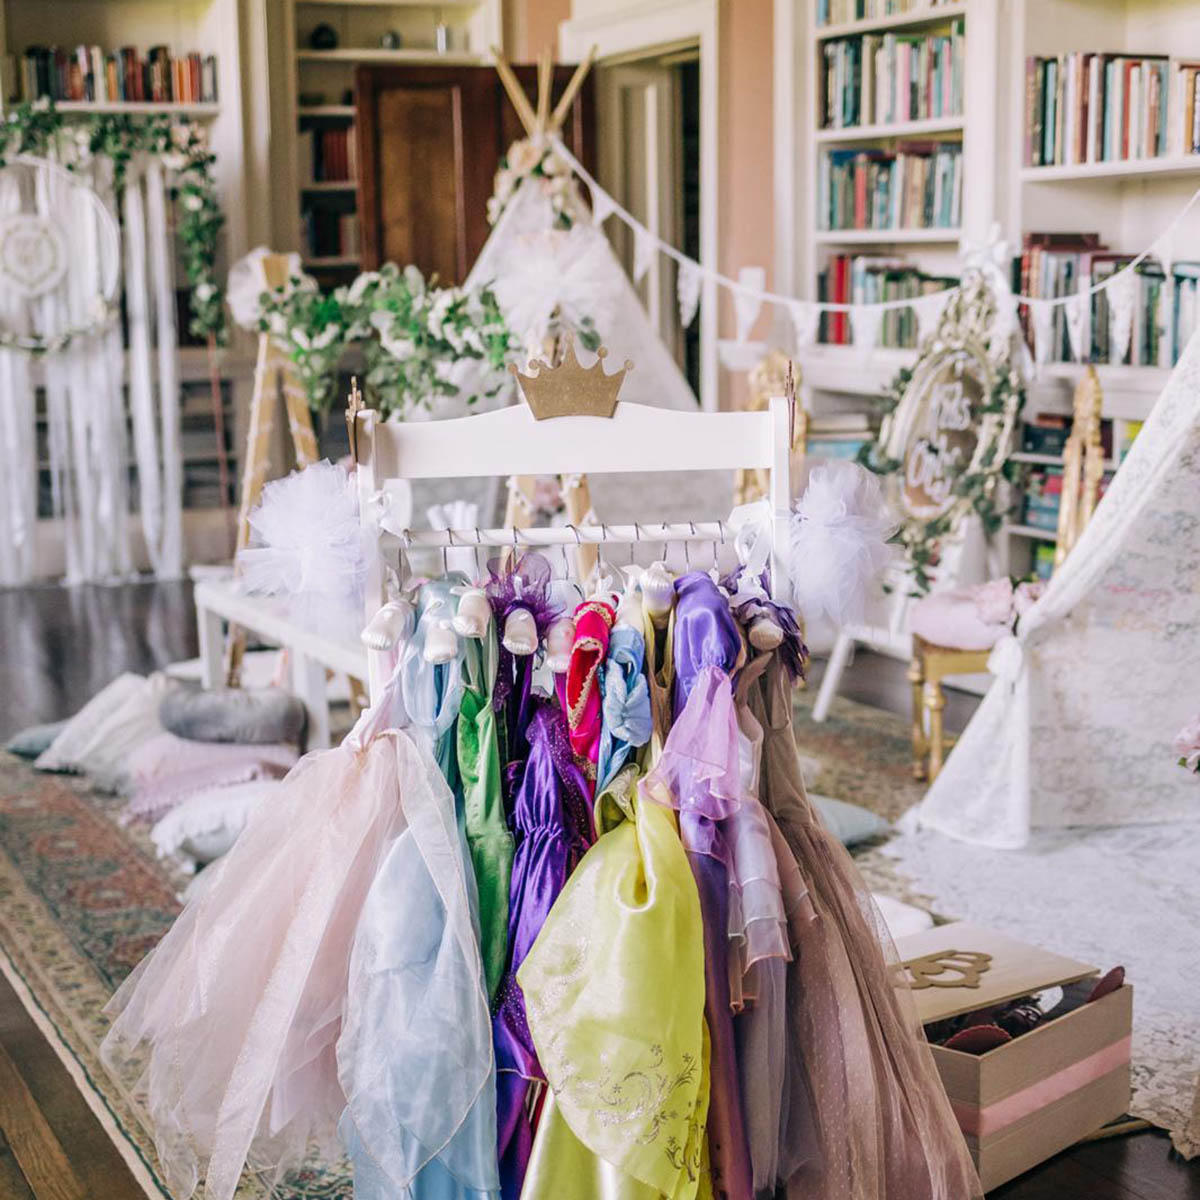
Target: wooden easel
(272, 374)
(539, 124)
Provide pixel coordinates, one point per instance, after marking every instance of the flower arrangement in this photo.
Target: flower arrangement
(1187, 745)
(526, 159)
(39, 129)
(419, 341)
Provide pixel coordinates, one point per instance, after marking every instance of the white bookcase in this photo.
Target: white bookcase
(319, 84)
(208, 27)
(1129, 203)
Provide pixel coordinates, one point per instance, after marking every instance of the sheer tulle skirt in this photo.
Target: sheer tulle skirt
(884, 1126)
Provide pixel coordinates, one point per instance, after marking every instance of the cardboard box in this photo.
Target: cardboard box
(1025, 1101)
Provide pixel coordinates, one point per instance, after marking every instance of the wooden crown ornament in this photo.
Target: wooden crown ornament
(569, 389)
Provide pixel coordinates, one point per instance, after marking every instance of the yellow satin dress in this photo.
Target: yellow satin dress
(614, 992)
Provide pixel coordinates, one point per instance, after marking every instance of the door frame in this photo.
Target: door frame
(654, 24)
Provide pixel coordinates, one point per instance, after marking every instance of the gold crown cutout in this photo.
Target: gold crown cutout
(568, 389)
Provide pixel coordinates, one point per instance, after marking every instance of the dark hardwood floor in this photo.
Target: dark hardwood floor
(58, 647)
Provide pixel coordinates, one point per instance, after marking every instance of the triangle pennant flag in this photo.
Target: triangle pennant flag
(928, 311)
(865, 321)
(644, 247)
(806, 319)
(1007, 321)
(1041, 314)
(603, 205)
(747, 299)
(1164, 251)
(687, 290)
(1078, 311)
(1122, 296)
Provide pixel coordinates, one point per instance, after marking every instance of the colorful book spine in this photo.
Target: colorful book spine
(1087, 107)
(90, 75)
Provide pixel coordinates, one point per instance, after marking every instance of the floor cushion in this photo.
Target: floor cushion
(247, 716)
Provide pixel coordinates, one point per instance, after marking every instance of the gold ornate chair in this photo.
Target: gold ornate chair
(963, 612)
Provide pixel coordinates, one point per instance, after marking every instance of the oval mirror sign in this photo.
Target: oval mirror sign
(947, 394)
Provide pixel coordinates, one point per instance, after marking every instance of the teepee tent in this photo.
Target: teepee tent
(535, 267)
(1076, 729)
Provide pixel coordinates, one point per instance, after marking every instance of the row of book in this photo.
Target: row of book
(330, 233)
(837, 12)
(864, 279)
(330, 155)
(839, 435)
(90, 74)
(916, 186)
(1165, 309)
(888, 78)
(1085, 108)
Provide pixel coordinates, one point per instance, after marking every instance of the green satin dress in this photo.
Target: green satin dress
(614, 993)
(488, 837)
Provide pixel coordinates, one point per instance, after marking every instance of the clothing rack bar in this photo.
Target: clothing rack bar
(571, 535)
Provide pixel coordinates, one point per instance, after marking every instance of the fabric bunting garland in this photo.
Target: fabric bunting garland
(989, 258)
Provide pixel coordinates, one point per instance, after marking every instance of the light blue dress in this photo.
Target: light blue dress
(626, 722)
(415, 1058)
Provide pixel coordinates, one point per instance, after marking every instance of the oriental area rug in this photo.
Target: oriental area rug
(82, 899)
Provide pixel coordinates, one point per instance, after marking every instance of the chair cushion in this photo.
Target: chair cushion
(965, 618)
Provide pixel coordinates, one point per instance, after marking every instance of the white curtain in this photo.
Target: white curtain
(85, 446)
(1077, 727)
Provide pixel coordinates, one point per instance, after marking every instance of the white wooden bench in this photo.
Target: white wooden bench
(310, 655)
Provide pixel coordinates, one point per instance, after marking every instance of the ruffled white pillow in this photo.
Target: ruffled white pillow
(206, 825)
(99, 740)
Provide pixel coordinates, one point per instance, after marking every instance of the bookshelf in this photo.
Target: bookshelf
(1126, 201)
(315, 122)
(205, 27)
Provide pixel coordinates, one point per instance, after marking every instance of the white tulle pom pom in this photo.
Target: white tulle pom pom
(308, 547)
(840, 529)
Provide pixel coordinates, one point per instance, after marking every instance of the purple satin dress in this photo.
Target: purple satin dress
(552, 819)
(708, 788)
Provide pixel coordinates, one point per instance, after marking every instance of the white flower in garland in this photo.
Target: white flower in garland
(527, 159)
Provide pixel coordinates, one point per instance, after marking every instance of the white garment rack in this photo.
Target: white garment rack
(509, 441)
(569, 535)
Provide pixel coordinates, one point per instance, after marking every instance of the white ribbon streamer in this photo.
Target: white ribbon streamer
(170, 549)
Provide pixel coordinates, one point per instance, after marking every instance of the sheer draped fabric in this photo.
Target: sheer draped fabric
(884, 1129)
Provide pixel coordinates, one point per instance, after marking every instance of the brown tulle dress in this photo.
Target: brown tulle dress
(884, 1128)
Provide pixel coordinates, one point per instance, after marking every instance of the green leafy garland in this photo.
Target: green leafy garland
(39, 129)
(419, 341)
(974, 486)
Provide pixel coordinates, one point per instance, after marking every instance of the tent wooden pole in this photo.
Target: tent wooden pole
(516, 93)
(568, 97)
(545, 78)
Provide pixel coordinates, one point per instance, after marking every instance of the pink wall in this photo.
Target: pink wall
(747, 211)
(532, 26)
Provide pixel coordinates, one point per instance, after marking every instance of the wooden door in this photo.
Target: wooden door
(430, 139)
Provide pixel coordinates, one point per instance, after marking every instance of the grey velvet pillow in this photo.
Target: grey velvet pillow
(254, 717)
(31, 742)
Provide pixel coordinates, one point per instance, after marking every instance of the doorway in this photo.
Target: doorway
(648, 135)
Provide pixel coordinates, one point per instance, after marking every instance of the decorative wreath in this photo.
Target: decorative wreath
(39, 131)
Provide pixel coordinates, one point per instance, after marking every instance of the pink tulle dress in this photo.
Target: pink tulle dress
(253, 1027)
